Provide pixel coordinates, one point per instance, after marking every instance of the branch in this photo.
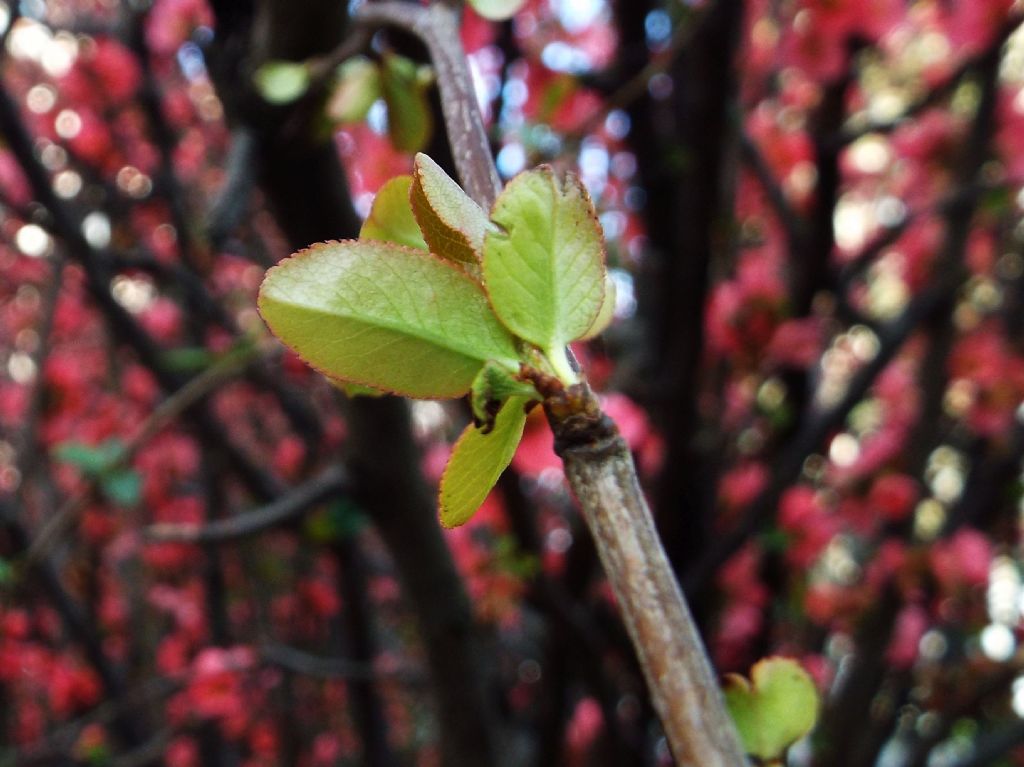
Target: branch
(990, 749)
(438, 27)
(167, 411)
(935, 95)
(791, 221)
(302, 662)
(597, 462)
(288, 507)
(635, 86)
(682, 683)
(122, 324)
(816, 427)
(232, 200)
(45, 576)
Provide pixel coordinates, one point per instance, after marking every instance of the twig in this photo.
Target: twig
(598, 463)
(990, 749)
(791, 221)
(634, 87)
(817, 426)
(46, 577)
(935, 94)
(173, 406)
(682, 683)
(232, 200)
(438, 27)
(292, 504)
(302, 662)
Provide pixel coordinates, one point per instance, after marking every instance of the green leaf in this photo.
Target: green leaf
(777, 710)
(357, 87)
(477, 461)
(405, 86)
(281, 82)
(544, 270)
(357, 390)
(340, 520)
(384, 316)
(605, 314)
(92, 460)
(452, 224)
(6, 572)
(122, 486)
(390, 218)
(497, 10)
(492, 387)
(188, 359)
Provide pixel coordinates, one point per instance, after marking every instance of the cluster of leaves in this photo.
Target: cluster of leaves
(359, 83)
(436, 300)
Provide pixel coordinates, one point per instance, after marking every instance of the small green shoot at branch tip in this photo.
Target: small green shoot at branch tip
(438, 298)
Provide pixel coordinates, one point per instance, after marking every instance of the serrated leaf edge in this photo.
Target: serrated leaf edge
(500, 231)
(304, 252)
(444, 475)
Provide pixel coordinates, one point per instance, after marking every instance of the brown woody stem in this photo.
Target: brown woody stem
(682, 684)
(597, 461)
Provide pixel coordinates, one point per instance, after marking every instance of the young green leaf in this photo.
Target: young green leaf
(544, 270)
(492, 387)
(390, 218)
(357, 87)
(356, 390)
(452, 224)
(605, 314)
(122, 486)
(281, 82)
(405, 86)
(497, 10)
(91, 460)
(773, 713)
(477, 461)
(384, 316)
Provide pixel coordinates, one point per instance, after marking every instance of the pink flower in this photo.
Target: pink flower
(892, 496)
(961, 561)
(911, 624)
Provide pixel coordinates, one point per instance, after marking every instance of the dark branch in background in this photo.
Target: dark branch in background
(935, 95)
(792, 222)
(360, 642)
(167, 411)
(818, 425)
(287, 508)
(232, 202)
(123, 326)
(302, 662)
(920, 747)
(846, 746)
(575, 643)
(991, 747)
(57, 744)
(305, 187)
(46, 577)
(685, 146)
(625, 93)
(26, 446)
